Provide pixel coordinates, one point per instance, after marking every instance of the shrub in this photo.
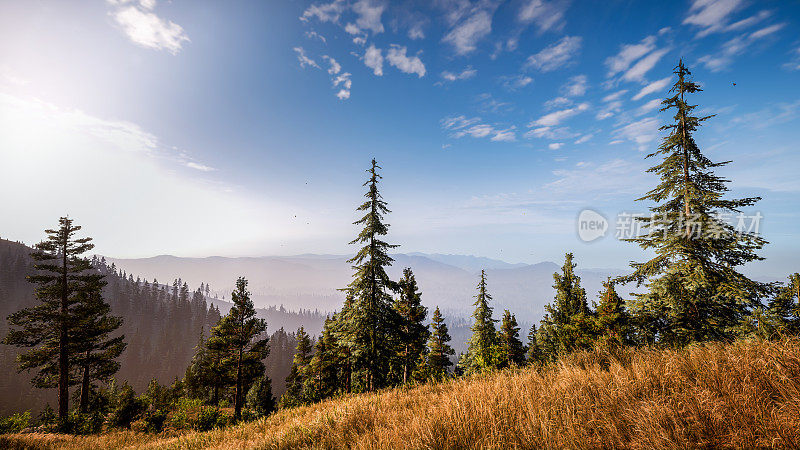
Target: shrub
(154, 421)
(125, 407)
(207, 418)
(15, 422)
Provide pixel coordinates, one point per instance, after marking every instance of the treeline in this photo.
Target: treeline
(382, 337)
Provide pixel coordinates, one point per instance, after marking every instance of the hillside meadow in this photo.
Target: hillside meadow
(745, 394)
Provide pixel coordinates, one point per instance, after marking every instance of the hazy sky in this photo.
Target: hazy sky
(194, 127)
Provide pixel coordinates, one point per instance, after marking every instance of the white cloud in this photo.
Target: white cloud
(711, 15)
(416, 31)
(343, 94)
(465, 36)
(649, 106)
(326, 12)
(396, 55)
(374, 60)
(145, 28)
(640, 69)
(655, 86)
(335, 66)
(584, 138)
(315, 35)
(613, 178)
(369, 15)
(556, 55)
(628, 54)
(465, 74)
(575, 86)
(641, 132)
(343, 82)
(737, 46)
(556, 117)
(200, 167)
(304, 60)
(615, 96)
(516, 82)
(351, 28)
(546, 15)
(460, 126)
(558, 102)
(794, 64)
(555, 145)
(551, 133)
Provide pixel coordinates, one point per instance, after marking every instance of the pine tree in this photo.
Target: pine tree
(611, 319)
(567, 324)
(49, 327)
(534, 353)
(412, 332)
(783, 311)
(259, 397)
(484, 336)
(693, 285)
(368, 328)
(96, 351)
(323, 369)
(509, 350)
(237, 337)
(437, 360)
(295, 382)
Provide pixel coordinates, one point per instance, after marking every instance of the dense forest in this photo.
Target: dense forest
(155, 356)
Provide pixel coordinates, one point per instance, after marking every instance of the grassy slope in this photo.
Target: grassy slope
(745, 394)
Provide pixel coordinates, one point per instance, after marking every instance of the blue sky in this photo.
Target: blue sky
(244, 127)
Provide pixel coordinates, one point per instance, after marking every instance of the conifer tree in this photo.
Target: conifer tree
(437, 360)
(323, 369)
(295, 382)
(567, 324)
(783, 311)
(534, 353)
(237, 337)
(49, 327)
(96, 351)
(207, 375)
(694, 288)
(412, 332)
(611, 319)
(368, 328)
(484, 336)
(259, 397)
(509, 350)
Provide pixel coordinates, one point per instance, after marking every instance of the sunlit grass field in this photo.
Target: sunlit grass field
(745, 394)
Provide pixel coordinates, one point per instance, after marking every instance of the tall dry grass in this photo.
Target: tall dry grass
(743, 395)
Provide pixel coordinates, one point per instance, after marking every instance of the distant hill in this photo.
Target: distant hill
(313, 281)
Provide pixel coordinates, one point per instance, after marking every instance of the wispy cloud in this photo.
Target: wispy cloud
(465, 36)
(369, 15)
(515, 82)
(629, 53)
(556, 117)
(737, 46)
(465, 74)
(461, 126)
(641, 132)
(324, 12)
(145, 28)
(546, 15)
(575, 86)
(711, 15)
(653, 87)
(556, 55)
(303, 59)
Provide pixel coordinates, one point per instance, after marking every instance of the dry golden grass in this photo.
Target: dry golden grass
(741, 395)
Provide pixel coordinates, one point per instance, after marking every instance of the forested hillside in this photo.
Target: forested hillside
(162, 325)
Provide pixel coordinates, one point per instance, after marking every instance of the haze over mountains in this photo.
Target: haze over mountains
(313, 281)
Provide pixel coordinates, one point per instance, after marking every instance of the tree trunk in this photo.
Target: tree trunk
(63, 355)
(237, 402)
(84, 406)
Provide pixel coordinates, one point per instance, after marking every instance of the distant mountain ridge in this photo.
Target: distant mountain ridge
(312, 281)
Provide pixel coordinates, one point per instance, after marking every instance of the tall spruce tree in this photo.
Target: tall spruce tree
(437, 360)
(534, 352)
(238, 337)
(509, 350)
(611, 319)
(484, 336)
(368, 327)
(695, 292)
(295, 382)
(412, 332)
(49, 328)
(96, 350)
(567, 323)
